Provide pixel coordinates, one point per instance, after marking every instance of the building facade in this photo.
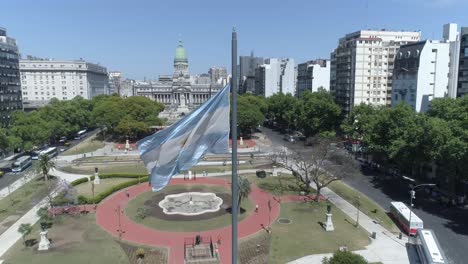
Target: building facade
(362, 66)
(275, 76)
(10, 86)
(462, 86)
(44, 79)
(312, 75)
(421, 73)
(180, 93)
(218, 75)
(115, 82)
(247, 68)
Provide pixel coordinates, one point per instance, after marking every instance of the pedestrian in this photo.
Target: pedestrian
(256, 208)
(127, 193)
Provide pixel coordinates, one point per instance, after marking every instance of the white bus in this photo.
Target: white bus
(401, 213)
(51, 152)
(35, 154)
(21, 163)
(80, 134)
(428, 248)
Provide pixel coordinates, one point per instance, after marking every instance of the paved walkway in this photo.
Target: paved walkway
(106, 218)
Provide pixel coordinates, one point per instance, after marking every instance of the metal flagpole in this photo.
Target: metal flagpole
(234, 187)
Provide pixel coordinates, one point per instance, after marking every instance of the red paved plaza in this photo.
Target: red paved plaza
(106, 217)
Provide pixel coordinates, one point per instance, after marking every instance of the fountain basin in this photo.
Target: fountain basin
(190, 203)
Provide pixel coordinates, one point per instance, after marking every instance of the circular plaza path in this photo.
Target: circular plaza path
(107, 218)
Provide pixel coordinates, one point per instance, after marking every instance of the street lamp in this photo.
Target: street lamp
(412, 196)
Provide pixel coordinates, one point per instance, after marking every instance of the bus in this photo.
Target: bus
(51, 152)
(401, 213)
(428, 248)
(80, 134)
(35, 154)
(21, 163)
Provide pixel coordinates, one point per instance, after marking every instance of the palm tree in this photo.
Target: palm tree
(45, 165)
(25, 230)
(244, 190)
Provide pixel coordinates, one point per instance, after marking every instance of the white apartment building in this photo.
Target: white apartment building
(312, 75)
(426, 70)
(362, 66)
(42, 80)
(421, 74)
(275, 76)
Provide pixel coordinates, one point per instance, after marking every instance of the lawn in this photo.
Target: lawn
(88, 145)
(369, 207)
(280, 185)
(22, 200)
(305, 235)
(75, 240)
(85, 188)
(184, 226)
(106, 168)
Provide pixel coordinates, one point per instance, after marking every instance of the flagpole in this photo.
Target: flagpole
(234, 186)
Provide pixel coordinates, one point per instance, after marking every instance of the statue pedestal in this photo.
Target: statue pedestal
(241, 141)
(190, 175)
(274, 172)
(96, 178)
(44, 243)
(329, 223)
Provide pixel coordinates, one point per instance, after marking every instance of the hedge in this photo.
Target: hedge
(108, 175)
(135, 179)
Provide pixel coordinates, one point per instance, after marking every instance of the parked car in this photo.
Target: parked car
(289, 138)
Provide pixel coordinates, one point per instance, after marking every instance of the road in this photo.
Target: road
(449, 224)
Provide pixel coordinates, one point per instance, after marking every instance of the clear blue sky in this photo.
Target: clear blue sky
(139, 37)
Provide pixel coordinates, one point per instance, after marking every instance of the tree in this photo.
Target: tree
(317, 112)
(345, 257)
(25, 230)
(249, 113)
(45, 165)
(31, 128)
(244, 190)
(44, 217)
(323, 164)
(282, 109)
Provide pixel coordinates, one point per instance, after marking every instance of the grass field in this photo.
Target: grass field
(22, 200)
(75, 240)
(87, 145)
(185, 226)
(305, 235)
(369, 207)
(106, 168)
(85, 188)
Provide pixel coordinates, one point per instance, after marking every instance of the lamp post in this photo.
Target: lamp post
(412, 196)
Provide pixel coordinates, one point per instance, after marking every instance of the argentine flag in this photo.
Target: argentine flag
(182, 145)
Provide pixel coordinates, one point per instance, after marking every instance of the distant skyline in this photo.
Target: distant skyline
(139, 37)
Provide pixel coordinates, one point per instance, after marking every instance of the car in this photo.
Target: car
(63, 140)
(289, 138)
(2, 173)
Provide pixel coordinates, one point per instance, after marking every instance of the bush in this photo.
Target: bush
(142, 213)
(113, 189)
(344, 257)
(82, 199)
(140, 253)
(261, 174)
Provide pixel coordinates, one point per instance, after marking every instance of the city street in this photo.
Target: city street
(449, 224)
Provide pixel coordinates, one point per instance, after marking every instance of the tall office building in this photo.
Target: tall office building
(115, 82)
(421, 73)
(275, 76)
(312, 75)
(10, 87)
(462, 87)
(362, 66)
(44, 79)
(247, 66)
(218, 75)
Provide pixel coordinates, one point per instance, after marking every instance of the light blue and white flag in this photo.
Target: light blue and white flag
(182, 145)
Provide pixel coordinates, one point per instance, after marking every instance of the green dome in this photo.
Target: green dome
(180, 55)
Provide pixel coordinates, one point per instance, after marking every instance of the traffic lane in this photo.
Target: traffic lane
(10, 177)
(449, 224)
(75, 142)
